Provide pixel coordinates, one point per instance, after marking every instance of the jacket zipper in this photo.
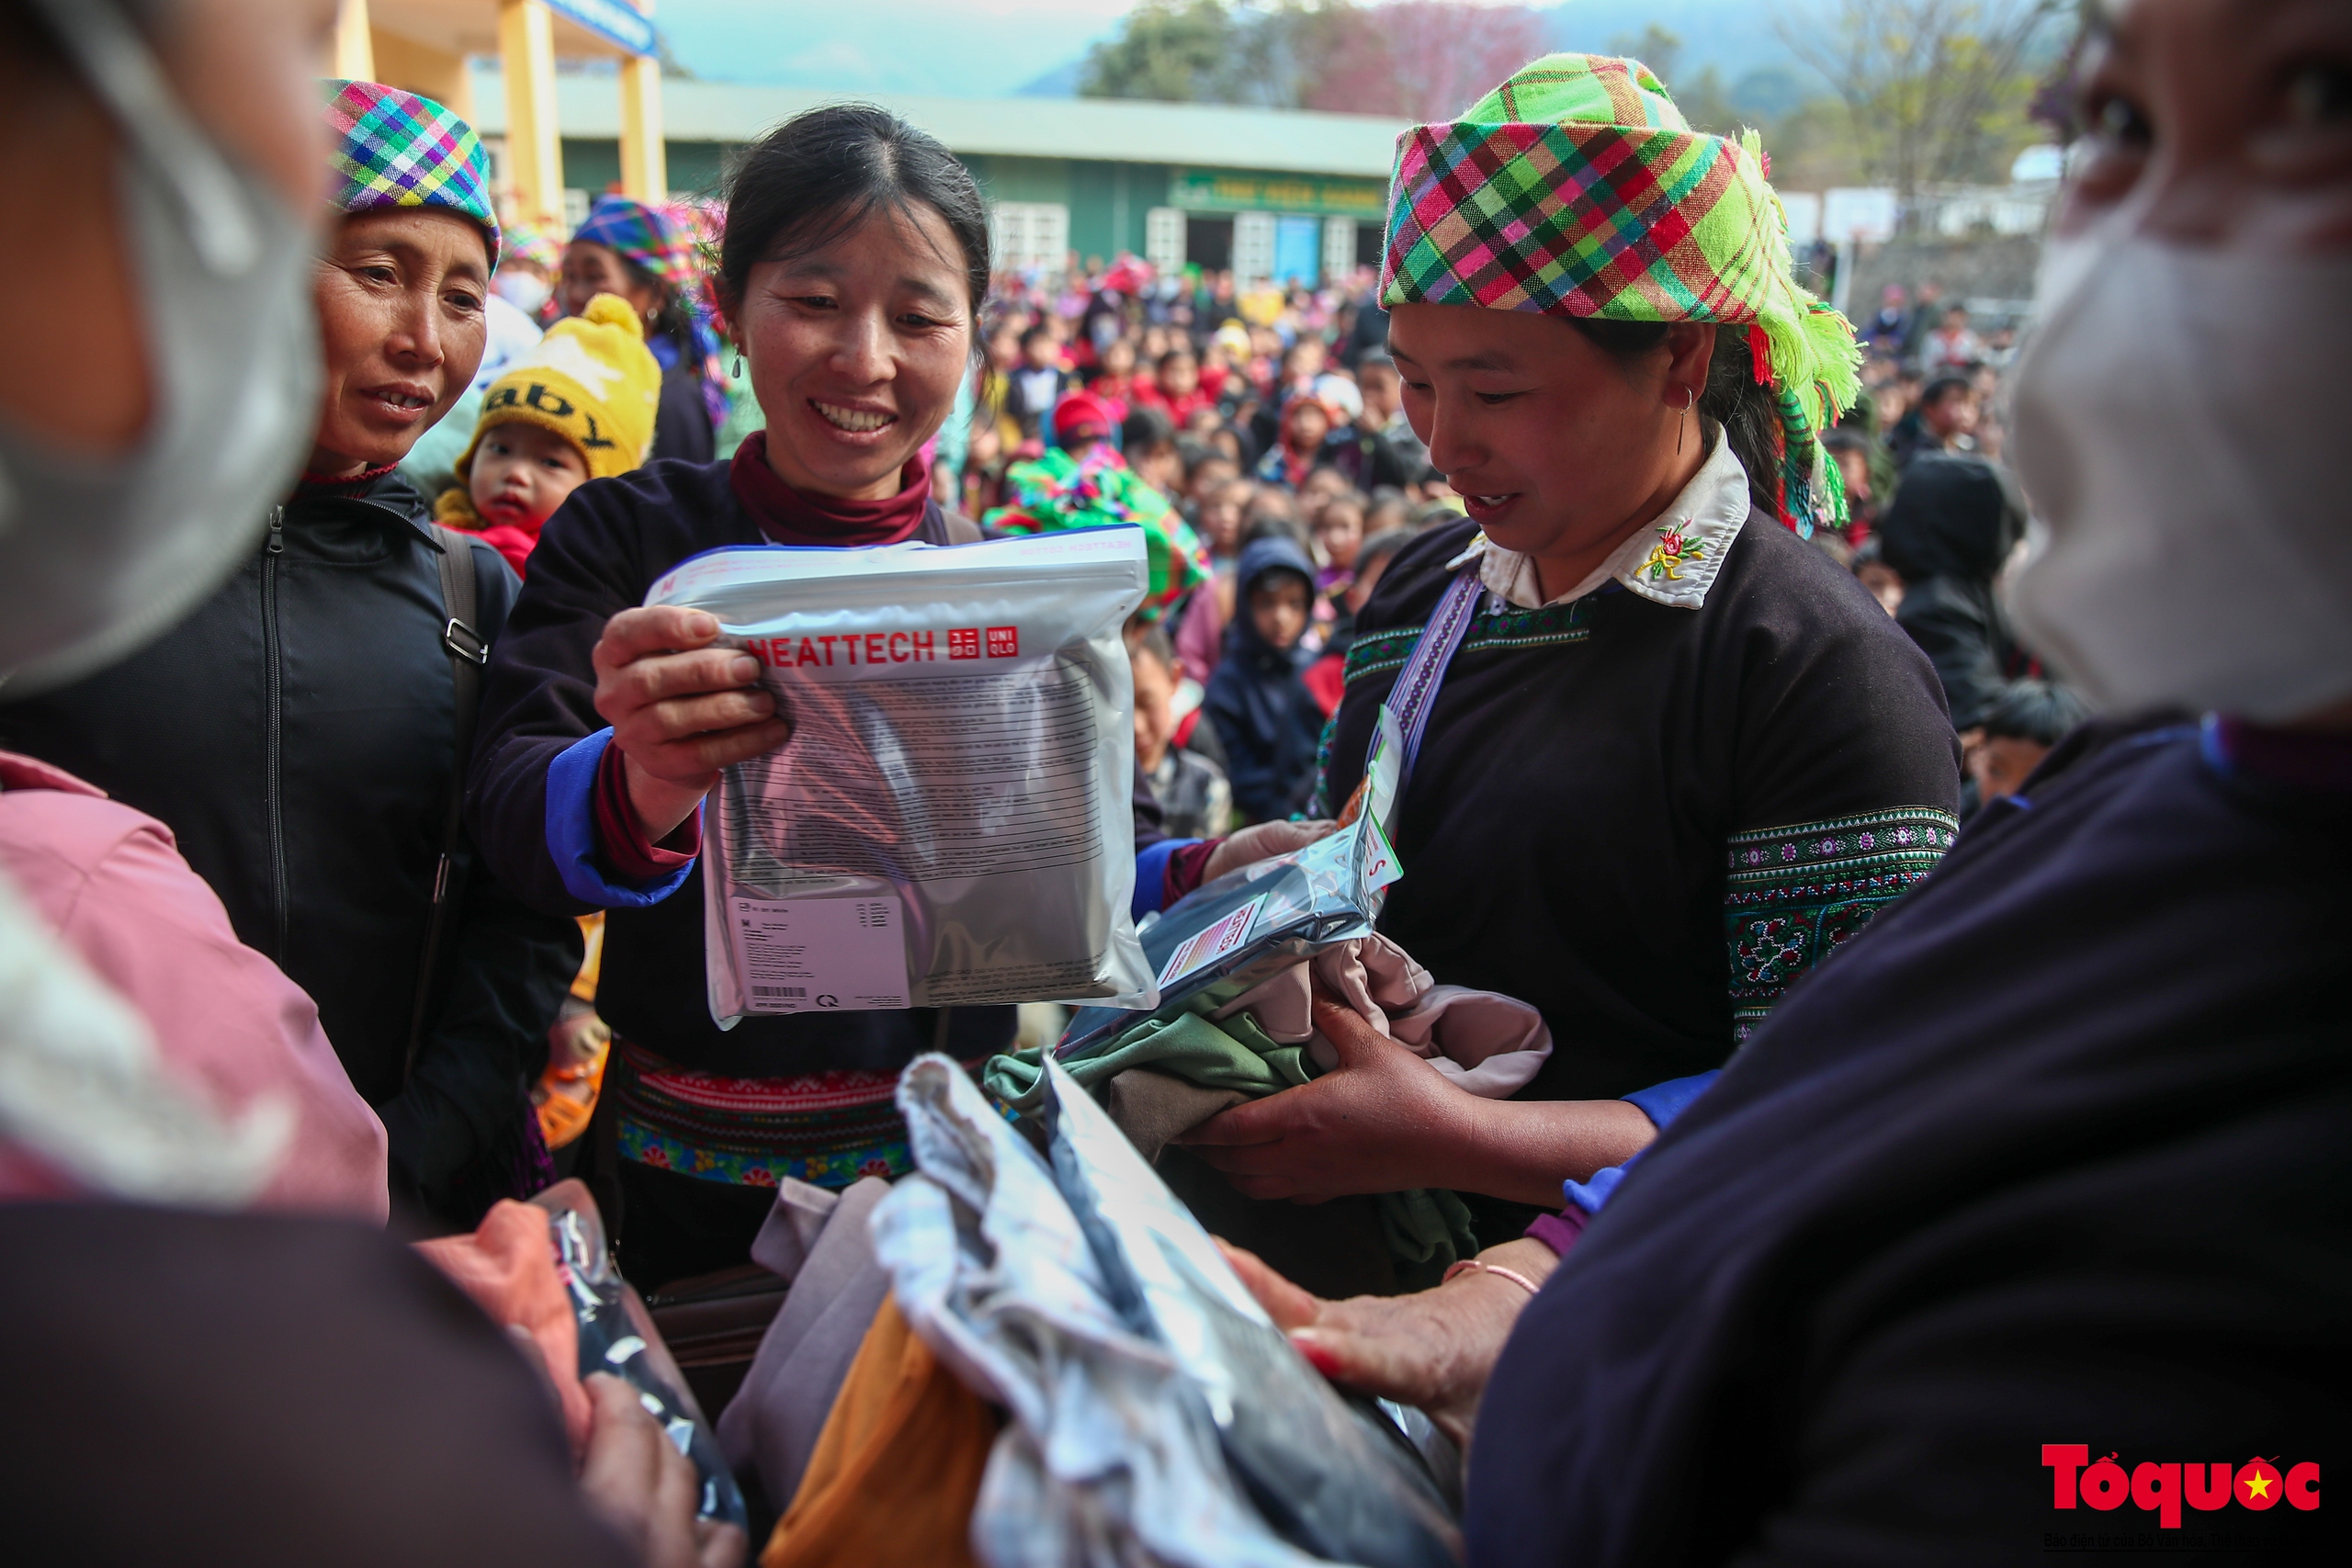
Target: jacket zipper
(273, 790)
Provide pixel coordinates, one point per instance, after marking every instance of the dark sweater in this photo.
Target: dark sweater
(596, 557)
(2057, 1154)
(1593, 772)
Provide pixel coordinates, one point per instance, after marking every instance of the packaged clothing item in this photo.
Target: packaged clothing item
(1156, 1414)
(616, 1336)
(543, 1268)
(1226, 938)
(1164, 1077)
(950, 823)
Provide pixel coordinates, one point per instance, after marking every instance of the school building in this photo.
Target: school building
(1270, 193)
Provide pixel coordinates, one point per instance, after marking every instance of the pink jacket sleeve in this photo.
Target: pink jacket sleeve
(111, 882)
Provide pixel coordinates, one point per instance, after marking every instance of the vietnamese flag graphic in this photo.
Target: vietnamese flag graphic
(2258, 1484)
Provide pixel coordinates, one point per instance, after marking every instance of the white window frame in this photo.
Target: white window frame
(1029, 236)
(1253, 249)
(1164, 240)
(1338, 249)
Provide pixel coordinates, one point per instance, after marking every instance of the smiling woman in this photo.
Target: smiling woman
(853, 263)
(400, 294)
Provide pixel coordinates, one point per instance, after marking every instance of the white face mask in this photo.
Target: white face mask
(524, 290)
(2180, 430)
(101, 552)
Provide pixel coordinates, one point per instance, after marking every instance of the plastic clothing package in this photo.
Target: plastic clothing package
(616, 1336)
(950, 823)
(1226, 938)
(1156, 1414)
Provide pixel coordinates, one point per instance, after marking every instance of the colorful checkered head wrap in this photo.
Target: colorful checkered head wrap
(1577, 189)
(652, 237)
(394, 149)
(542, 247)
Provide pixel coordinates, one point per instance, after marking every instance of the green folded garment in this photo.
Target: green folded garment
(1426, 1226)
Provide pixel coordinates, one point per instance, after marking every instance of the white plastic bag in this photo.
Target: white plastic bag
(950, 823)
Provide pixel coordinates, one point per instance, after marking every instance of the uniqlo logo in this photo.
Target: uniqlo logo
(1004, 642)
(964, 642)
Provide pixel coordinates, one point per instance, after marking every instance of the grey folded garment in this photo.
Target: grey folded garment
(817, 1241)
(1154, 1108)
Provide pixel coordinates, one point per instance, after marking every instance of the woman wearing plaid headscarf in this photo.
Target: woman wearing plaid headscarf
(646, 255)
(1669, 753)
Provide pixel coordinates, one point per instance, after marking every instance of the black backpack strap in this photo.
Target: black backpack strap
(469, 650)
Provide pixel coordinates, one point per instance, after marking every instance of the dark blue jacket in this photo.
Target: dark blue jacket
(1265, 718)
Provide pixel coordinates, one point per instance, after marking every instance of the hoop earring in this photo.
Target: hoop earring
(1682, 426)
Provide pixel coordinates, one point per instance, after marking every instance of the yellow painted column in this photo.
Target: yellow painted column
(534, 155)
(434, 72)
(355, 44)
(645, 165)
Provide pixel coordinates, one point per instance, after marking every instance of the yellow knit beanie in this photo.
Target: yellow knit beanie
(592, 380)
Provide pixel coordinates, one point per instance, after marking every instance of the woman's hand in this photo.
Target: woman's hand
(1384, 1120)
(645, 1489)
(1262, 841)
(1381, 1121)
(1435, 1349)
(680, 709)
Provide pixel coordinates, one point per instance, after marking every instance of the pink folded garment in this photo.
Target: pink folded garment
(1489, 1043)
(508, 1266)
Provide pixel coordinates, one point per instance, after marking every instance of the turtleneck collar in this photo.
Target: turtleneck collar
(352, 488)
(788, 517)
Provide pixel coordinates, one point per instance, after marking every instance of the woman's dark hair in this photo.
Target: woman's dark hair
(1733, 403)
(1145, 430)
(820, 173)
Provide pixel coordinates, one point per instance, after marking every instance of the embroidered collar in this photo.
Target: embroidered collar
(1673, 560)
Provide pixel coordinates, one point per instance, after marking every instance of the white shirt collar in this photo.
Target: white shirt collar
(1673, 560)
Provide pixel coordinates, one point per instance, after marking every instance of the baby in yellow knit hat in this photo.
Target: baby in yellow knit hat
(578, 407)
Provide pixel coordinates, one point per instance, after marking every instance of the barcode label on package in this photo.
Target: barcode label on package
(1206, 947)
(820, 954)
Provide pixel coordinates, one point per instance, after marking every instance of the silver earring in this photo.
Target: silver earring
(1682, 426)
(739, 365)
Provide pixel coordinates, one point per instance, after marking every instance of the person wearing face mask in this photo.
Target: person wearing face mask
(2041, 1189)
(299, 730)
(283, 1389)
(1674, 756)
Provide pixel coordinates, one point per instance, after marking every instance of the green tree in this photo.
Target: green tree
(1935, 90)
(1175, 50)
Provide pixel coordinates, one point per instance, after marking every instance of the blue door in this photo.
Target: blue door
(1299, 250)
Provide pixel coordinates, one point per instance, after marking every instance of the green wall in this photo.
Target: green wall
(1106, 200)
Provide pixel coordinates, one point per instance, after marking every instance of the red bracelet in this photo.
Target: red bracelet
(1513, 1275)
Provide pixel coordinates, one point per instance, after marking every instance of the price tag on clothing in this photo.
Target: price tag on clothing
(820, 954)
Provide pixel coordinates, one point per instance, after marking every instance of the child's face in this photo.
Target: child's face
(1278, 608)
(522, 473)
(1339, 530)
(1208, 476)
(2000, 763)
(1180, 377)
(1308, 427)
(1221, 519)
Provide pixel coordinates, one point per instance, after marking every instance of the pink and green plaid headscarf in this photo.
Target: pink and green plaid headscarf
(394, 149)
(1577, 189)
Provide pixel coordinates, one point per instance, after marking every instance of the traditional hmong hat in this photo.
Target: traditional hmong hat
(652, 237)
(1577, 189)
(542, 248)
(394, 149)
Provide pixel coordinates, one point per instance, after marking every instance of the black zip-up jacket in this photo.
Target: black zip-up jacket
(296, 734)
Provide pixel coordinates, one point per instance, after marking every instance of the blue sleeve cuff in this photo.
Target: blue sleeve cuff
(1663, 1102)
(1151, 875)
(571, 832)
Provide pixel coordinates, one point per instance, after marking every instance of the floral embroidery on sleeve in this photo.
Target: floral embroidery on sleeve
(1795, 895)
